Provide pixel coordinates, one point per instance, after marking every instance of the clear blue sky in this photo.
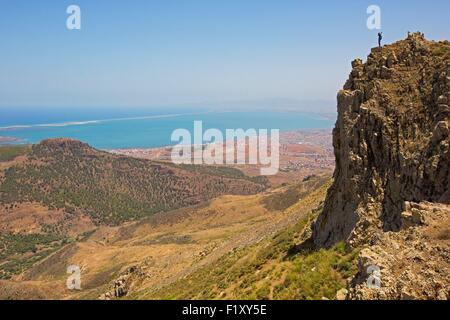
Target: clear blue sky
(158, 52)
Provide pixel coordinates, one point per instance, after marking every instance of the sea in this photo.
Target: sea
(128, 128)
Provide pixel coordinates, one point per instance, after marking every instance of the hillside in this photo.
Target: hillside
(70, 175)
(391, 192)
(148, 258)
(60, 190)
(281, 266)
(388, 207)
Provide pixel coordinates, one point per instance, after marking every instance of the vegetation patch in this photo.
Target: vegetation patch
(442, 49)
(18, 252)
(169, 239)
(71, 176)
(292, 194)
(277, 268)
(224, 171)
(8, 153)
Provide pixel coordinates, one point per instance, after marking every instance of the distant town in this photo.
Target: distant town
(302, 153)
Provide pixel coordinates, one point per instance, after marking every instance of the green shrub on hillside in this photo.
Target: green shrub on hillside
(8, 153)
(18, 252)
(269, 270)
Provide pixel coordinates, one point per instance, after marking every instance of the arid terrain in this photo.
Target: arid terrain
(152, 253)
(140, 227)
(121, 251)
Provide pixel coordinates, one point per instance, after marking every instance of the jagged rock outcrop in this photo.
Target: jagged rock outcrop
(123, 284)
(413, 263)
(391, 140)
(391, 195)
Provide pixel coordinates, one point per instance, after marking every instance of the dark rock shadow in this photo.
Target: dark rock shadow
(305, 247)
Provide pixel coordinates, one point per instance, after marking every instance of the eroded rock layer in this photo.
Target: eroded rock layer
(390, 198)
(391, 140)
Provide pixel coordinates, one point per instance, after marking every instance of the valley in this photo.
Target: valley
(146, 255)
(140, 227)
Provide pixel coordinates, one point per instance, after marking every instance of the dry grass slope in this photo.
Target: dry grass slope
(282, 266)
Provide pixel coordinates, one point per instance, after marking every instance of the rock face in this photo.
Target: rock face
(122, 285)
(391, 194)
(413, 263)
(391, 141)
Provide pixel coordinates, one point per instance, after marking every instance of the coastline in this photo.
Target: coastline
(155, 131)
(80, 123)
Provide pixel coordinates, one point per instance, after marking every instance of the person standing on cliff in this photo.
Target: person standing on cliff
(380, 37)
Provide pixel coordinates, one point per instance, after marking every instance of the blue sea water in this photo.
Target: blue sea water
(113, 129)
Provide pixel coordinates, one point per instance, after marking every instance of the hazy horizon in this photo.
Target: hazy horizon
(175, 53)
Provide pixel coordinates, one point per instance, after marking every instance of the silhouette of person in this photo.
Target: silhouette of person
(380, 37)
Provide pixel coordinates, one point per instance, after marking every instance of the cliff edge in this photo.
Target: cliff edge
(391, 184)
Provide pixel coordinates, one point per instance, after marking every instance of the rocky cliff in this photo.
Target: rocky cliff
(391, 182)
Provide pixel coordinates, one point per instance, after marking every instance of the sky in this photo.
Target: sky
(174, 52)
